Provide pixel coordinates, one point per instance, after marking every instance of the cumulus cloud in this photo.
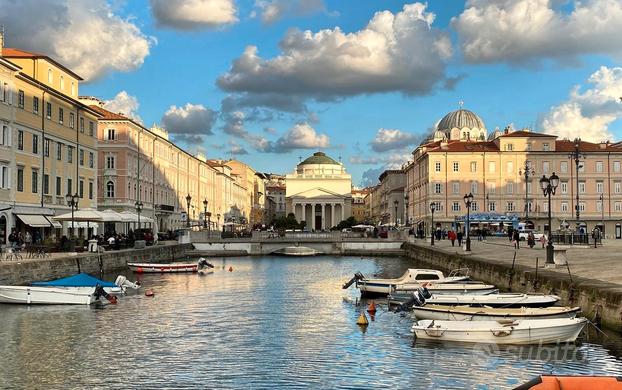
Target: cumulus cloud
(234, 125)
(194, 14)
(125, 104)
(390, 139)
(394, 52)
(85, 36)
(236, 149)
(189, 123)
(273, 10)
(588, 114)
(300, 136)
(370, 177)
(520, 31)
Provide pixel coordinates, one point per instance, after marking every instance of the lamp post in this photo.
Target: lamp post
(406, 217)
(72, 201)
(395, 203)
(527, 171)
(468, 200)
(139, 208)
(432, 209)
(204, 213)
(217, 220)
(188, 200)
(576, 155)
(602, 214)
(549, 185)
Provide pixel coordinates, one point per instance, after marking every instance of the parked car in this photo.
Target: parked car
(523, 234)
(144, 234)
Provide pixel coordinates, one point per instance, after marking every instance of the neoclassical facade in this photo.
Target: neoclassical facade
(318, 192)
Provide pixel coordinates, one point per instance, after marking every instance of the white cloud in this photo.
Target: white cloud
(529, 30)
(125, 104)
(189, 123)
(273, 10)
(390, 139)
(85, 36)
(236, 149)
(588, 114)
(300, 136)
(394, 52)
(194, 14)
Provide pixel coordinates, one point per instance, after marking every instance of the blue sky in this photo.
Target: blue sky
(158, 54)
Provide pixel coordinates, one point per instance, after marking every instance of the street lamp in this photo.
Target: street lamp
(217, 220)
(468, 200)
(72, 201)
(549, 185)
(395, 203)
(188, 200)
(204, 213)
(527, 172)
(432, 209)
(209, 223)
(602, 214)
(576, 155)
(139, 208)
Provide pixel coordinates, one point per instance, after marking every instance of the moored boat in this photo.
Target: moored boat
(521, 332)
(204, 267)
(449, 288)
(85, 282)
(572, 382)
(506, 300)
(140, 268)
(31, 295)
(298, 251)
(468, 313)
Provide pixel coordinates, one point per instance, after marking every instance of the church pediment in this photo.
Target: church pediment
(317, 192)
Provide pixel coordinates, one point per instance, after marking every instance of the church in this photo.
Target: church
(318, 192)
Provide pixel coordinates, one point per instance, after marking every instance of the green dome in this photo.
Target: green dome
(319, 158)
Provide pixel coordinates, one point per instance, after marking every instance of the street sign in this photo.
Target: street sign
(183, 217)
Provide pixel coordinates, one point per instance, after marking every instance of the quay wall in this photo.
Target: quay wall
(22, 272)
(589, 294)
(265, 247)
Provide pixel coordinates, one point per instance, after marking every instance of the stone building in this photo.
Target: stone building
(358, 204)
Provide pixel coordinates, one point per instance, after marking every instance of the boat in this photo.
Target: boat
(204, 267)
(505, 300)
(519, 332)
(85, 281)
(297, 251)
(448, 288)
(412, 276)
(31, 295)
(468, 313)
(572, 382)
(140, 268)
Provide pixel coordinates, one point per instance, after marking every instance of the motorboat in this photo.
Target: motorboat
(31, 295)
(448, 288)
(468, 313)
(519, 332)
(413, 277)
(140, 268)
(297, 251)
(505, 300)
(85, 282)
(558, 382)
(204, 267)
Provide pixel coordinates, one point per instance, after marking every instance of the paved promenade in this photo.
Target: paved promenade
(603, 263)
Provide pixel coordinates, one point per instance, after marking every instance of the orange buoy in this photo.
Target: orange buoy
(230, 269)
(139, 270)
(372, 307)
(149, 293)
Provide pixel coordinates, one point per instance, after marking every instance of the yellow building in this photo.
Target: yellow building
(253, 208)
(358, 204)
(460, 157)
(48, 147)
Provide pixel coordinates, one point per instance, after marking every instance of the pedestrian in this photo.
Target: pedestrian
(531, 240)
(543, 240)
(484, 234)
(516, 239)
(459, 236)
(27, 239)
(452, 237)
(510, 235)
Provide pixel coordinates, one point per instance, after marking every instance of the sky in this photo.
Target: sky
(270, 81)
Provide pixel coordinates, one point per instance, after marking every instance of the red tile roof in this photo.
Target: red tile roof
(108, 115)
(584, 146)
(525, 133)
(10, 52)
(462, 146)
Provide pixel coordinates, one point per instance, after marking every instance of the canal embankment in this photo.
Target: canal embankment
(494, 262)
(24, 271)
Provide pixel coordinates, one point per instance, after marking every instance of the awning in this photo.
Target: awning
(34, 220)
(55, 224)
(83, 224)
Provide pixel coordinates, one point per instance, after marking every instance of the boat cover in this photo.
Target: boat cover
(79, 280)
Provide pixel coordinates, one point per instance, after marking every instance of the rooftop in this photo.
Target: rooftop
(319, 158)
(9, 52)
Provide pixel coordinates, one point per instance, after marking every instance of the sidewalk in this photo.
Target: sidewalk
(603, 263)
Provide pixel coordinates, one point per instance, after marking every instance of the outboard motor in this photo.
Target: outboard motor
(100, 292)
(204, 264)
(122, 282)
(357, 276)
(424, 292)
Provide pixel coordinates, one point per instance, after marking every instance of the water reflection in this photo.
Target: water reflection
(272, 322)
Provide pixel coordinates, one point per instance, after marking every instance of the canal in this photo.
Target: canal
(270, 323)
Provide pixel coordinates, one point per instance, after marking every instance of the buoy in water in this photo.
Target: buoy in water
(149, 293)
(371, 308)
(230, 269)
(362, 321)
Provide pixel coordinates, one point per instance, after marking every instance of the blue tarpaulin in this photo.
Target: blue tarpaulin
(79, 280)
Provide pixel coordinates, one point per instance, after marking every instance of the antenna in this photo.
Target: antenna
(339, 158)
(461, 103)
(299, 158)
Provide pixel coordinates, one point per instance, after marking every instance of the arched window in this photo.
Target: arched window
(110, 189)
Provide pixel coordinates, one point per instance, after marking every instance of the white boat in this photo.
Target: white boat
(413, 277)
(548, 331)
(204, 268)
(449, 288)
(468, 313)
(140, 268)
(85, 282)
(506, 300)
(297, 251)
(31, 295)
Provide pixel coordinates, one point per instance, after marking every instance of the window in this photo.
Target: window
(110, 189)
(35, 105)
(437, 188)
(50, 77)
(492, 167)
(509, 166)
(59, 151)
(35, 181)
(437, 165)
(474, 186)
(455, 206)
(91, 128)
(90, 190)
(46, 147)
(456, 166)
(509, 188)
(46, 183)
(563, 187)
(72, 120)
(617, 206)
(617, 186)
(599, 166)
(509, 206)
(73, 89)
(564, 206)
(563, 167)
(529, 147)
(582, 187)
(81, 125)
(4, 180)
(81, 157)
(20, 179)
(492, 187)
(438, 206)
(81, 188)
(581, 206)
(599, 206)
(473, 206)
(69, 186)
(4, 137)
(473, 166)
(58, 186)
(616, 166)
(545, 146)
(5, 93)
(509, 147)
(69, 154)
(61, 115)
(545, 167)
(599, 187)
(91, 160)
(545, 207)
(582, 167)
(48, 110)
(35, 144)
(62, 82)
(492, 206)
(20, 139)
(20, 99)
(110, 162)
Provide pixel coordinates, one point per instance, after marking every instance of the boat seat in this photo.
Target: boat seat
(507, 322)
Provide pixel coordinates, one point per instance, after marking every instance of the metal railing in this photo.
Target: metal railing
(574, 239)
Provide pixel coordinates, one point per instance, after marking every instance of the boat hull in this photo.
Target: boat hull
(140, 268)
(387, 286)
(494, 300)
(456, 313)
(550, 331)
(47, 295)
(450, 289)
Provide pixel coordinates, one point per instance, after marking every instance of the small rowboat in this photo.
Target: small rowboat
(506, 300)
(467, 313)
(140, 268)
(523, 332)
(557, 382)
(450, 288)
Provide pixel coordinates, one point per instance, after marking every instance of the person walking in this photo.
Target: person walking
(516, 239)
(531, 240)
(459, 235)
(452, 237)
(543, 240)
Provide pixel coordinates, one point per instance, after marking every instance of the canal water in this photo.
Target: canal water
(271, 323)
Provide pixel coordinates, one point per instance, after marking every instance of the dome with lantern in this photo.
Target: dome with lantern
(459, 125)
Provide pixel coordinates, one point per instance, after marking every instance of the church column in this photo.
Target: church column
(332, 215)
(303, 216)
(323, 226)
(342, 203)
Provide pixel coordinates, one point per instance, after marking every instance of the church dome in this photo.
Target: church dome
(460, 119)
(319, 158)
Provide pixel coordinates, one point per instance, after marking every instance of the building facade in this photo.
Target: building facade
(318, 192)
(391, 197)
(275, 196)
(359, 211)
(253, 207)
